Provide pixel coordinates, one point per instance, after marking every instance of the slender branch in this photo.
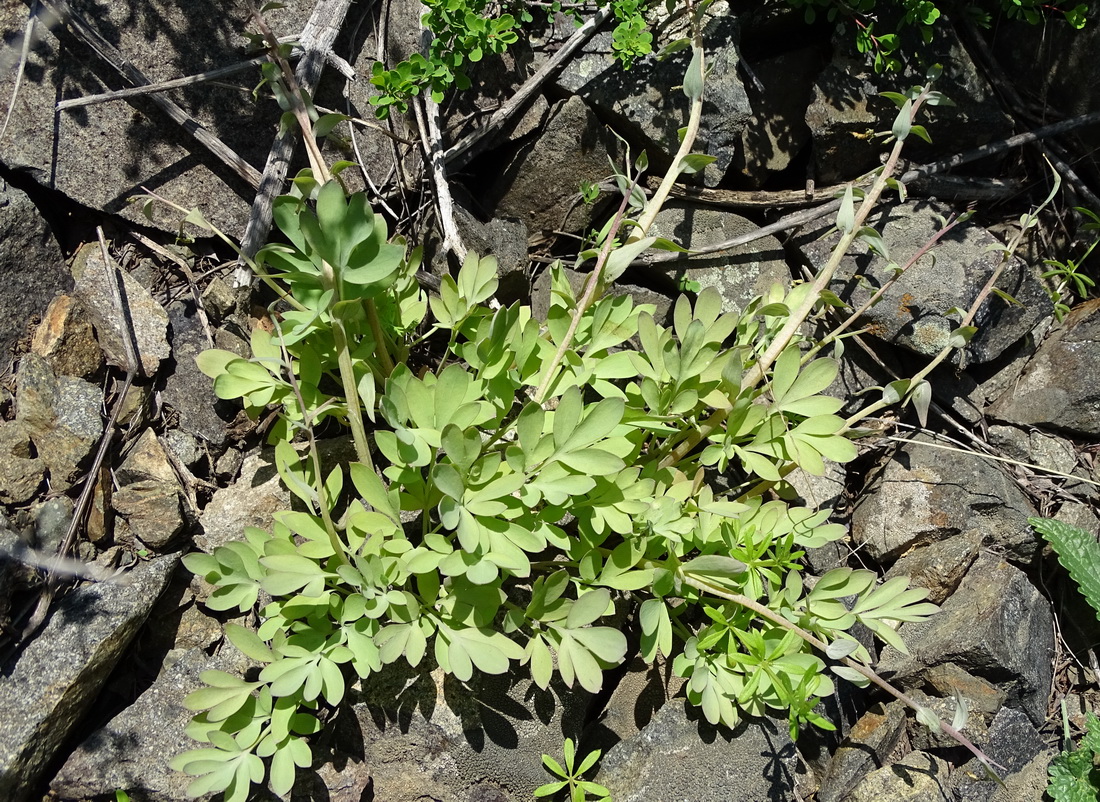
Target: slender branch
(586, 298)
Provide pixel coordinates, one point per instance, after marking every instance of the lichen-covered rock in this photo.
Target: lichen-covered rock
(996, 626)
(56, 678)
(1060, 387)
(678, 756)
(918, 777)
(132, 751)
(923, 495)
(61, 415)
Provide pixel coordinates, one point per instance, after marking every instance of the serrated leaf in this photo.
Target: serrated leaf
(1079, 554)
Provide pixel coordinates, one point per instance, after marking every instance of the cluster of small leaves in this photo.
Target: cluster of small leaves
(1074, 775)
(884, 44)
(465, 31)
(502, 532)
(1068, 276)
(572, 779)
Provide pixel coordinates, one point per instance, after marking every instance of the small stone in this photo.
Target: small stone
(155, 513)
(189, 391)
(184, 447)
(23, 473)
(145, 318)
(251, 500)
(228, 465)
(51, 523)
(219, 300)
(66, 339)
(62, 416)
(917, 777)
(868, 746)
(981, 695)
(939, 567)
(146, 461)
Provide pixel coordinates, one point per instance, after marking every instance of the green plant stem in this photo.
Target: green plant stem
(757, 372)
(351, 393)
(834, 334)
(585, 300)
(821, 646)
(294, 93)
(695, 116)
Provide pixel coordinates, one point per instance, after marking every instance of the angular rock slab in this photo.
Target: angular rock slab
(132, 751)
(32, 267)
(540, 186)
(58, 675)
(912, 313)
(996, 626)
(739, 274)
(865, 749)
(642, 101)
(144, 319)
(924, 495)
(918, 777)
(1060, 388)
(678, 757)
(102, 155)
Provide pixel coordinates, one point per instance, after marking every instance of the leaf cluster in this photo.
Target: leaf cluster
(498, 532)
(1073, 775)
(884, 43)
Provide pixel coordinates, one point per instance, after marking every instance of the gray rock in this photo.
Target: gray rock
(868, 745)
(995, 626)
(918, 777)
(939, 566)
(66, 340)
(189, 391)
(62, 416)
(132, 751)
(541, 186)
(411, 735)
(184, 447)
(740, 274)
(1014, 743)
(1060, 388)
(57, 677)
(678, 757)
(944, 707)
(31, 263)
(101, 155)
(643, 105)
(777, 132)
(250, 501)
(20, 473)
(847, 103)
(844, 106)
(507, 241)
(146, 321)
(923, 495)
(913, 312)
(150, 501)
(51, 523)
